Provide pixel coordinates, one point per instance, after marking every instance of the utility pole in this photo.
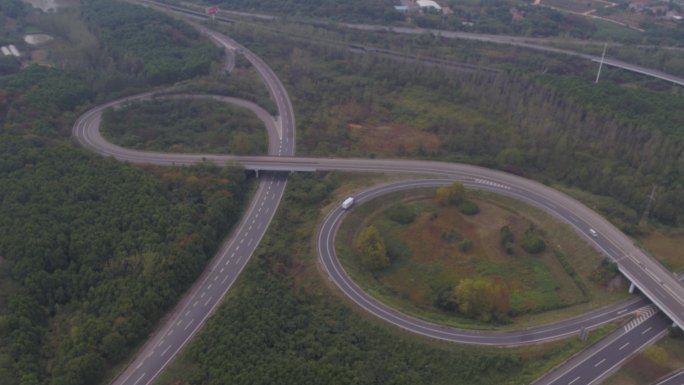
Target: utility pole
(601, 63)
(647, 211)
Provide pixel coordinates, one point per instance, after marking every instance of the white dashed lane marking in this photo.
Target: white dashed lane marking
(139, 378)
(189, 323)
(166, 350)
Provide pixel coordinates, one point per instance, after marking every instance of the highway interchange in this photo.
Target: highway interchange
(200, 302)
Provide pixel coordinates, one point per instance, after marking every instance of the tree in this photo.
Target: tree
(450, 195)
(371, 248)
(482, 298)
(533, 243)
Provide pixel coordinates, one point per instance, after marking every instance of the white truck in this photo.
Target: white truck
(347, 203)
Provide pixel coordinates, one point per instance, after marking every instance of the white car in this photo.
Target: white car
(348, 203)
(593, 233)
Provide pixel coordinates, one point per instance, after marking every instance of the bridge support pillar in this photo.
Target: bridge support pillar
(631, 288)
(257, 173)
(674, 325)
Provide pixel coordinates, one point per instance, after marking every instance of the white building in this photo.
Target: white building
(5, 51)
(427, 4)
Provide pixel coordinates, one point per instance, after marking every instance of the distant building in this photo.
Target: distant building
(401, 8)
(5, 51)
(429, 4)
(14, 50)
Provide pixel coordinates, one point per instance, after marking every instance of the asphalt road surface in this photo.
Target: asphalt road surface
(605, 357)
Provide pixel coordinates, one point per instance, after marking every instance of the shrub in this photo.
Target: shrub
(465, 245)
(467, 207)
(533, 243)
(401, 214)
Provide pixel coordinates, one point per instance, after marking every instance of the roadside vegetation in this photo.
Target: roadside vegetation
(472, 260)
(186, 125)
(283, 323)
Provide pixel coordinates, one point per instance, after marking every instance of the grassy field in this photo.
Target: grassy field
(186, 126)
(427, 260)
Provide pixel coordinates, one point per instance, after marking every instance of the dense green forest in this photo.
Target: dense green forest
(280, 324)
(186, 125)
(161, 48)
(92, 251)
(526, 124)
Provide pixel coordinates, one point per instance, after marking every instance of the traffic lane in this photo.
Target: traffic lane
(343, 281)
(596, 366)
(653, 285)
(676, 378)
(205, 296)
